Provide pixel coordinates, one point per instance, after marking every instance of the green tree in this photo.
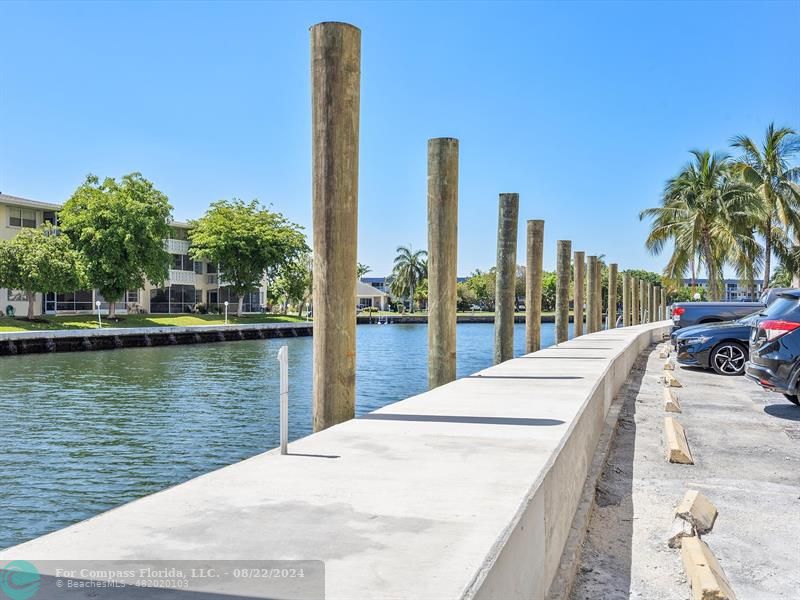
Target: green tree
(482, 284)
(767, 170)
(410, 268)
(782, 277)
(549, 284)
(40, 261)
(119, 228)
(245, 240)
(707, 214)
(293, 283)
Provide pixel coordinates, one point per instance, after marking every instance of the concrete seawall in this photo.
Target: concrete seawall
(466, 491)
(75, 340)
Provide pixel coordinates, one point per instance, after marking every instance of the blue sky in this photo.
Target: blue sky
(583, 108)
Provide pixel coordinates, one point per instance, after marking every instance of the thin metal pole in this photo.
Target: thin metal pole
(283, 360)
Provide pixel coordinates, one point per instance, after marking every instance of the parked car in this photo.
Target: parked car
(685, 314)
(768, 295)
(775, 348)
(722, 347)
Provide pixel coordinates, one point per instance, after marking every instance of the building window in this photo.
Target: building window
(132, 297)
(21, 217)
(17, 296)
(182, 262)
(198, 267)
(211, 268)
(252, 300)
(174, 299)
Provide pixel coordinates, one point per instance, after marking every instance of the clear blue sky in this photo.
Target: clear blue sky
(583, 108)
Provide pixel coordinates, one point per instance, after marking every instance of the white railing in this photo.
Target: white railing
(176, 246)
(181, 277)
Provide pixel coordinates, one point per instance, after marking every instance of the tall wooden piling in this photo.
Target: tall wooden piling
(579, 282)
(533, 286)
(612, 295)
(505, 297)
(442, 251)
(626, 300)
(665, 311)
(591, 294)
(651, 301)
(635, 315)
(563, 254)
(335, 100)
(657, 302)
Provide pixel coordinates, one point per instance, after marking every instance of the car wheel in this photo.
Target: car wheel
(728, 359)
(792, 398)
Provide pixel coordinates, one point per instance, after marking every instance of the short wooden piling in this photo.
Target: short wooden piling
(505, 298)
(533, 286)
(612, 295)
(591, 294)
(563, 252)
(579, 282)
(626, 300)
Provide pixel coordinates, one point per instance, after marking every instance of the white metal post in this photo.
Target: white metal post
(283, 359)
(99, 318)
(226, 312)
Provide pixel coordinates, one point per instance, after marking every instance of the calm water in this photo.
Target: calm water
(84, 432)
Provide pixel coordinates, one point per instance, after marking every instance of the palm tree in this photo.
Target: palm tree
(708, 215)
(362, 269)
(766, 169)
(410, 268)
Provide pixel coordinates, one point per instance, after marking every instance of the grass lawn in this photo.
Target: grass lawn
(90, 321)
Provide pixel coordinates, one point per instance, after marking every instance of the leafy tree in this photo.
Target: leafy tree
(766, 169)
(119, 228)
(782, 277)
(686, 294)
(410, 268)
(293, 283)
(708, 215)
(482, 286)
(40, 261)
(466, 298)
(245, 240)
(421, 293)
(549, 284)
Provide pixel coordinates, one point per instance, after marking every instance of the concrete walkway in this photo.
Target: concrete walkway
(466, 491)
(746, 446)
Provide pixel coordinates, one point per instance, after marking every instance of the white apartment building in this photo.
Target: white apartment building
(190, 283)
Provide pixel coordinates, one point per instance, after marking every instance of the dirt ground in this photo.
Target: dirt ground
(746, 447)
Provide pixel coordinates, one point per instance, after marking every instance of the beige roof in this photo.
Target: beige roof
(365, 290)
(17, 201)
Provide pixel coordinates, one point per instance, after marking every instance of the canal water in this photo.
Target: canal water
(84, 432)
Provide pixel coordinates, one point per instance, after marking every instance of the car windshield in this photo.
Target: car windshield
(780, 306)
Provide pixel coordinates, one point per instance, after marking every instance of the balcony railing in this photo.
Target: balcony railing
(181, 277)
(176, 246)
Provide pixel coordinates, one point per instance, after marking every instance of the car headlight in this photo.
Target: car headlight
(700, 339)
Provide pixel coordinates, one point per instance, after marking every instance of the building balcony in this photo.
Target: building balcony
(181, 277)
(176, 246)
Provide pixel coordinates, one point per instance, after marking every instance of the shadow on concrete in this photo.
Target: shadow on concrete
(463, 419)
(313, 455)
(565, 357)
(790, 412)
(523, 377)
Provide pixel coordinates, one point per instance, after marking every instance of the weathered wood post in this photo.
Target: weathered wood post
(505, 297)
(442, 251)
(533, 286)
(591, 294)
(563, 254)
(599, 305)
(612, 295)
(635, 315)
(664, 303)
(657, 302)
(643, 301)
(626, 300)
(651, 304)
(335, 100)
(579, 281)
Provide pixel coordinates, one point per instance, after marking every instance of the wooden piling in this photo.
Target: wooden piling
(335, 100)
(442, 255)
(563, 252)
(533, 286)
(591, 297)
(579, 282)
(505, 297)
(612, 295)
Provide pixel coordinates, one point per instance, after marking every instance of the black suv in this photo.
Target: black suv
(775, 348)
